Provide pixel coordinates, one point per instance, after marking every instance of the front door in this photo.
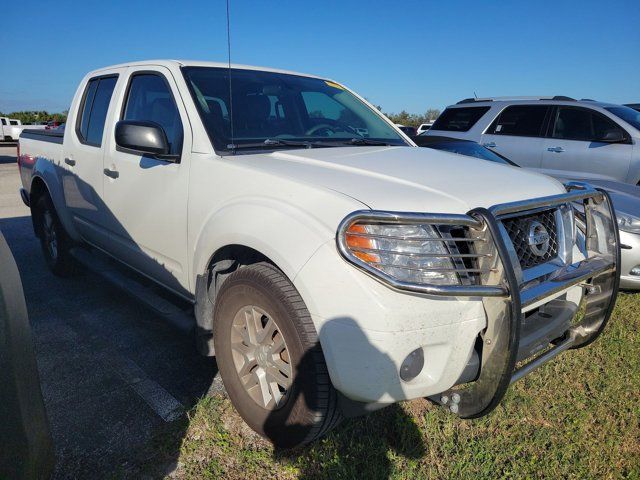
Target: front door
(574, 151)
(147, 197)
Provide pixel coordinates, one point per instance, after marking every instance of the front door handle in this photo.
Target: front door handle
(69, 161)
(555, 149)
(489, 145)
(111, 173)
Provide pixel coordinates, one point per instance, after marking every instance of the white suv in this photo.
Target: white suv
(556, 135)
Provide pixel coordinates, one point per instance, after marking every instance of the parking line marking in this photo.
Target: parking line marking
(161, 402)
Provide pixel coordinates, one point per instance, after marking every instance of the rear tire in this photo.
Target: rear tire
(54, 240)
(270, 359)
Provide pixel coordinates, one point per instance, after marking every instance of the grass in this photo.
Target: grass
(576, 417)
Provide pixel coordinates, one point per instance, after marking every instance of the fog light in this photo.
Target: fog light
(635, 271)
(412, 365)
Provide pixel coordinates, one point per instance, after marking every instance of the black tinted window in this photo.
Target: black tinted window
(86, 107)
(150, 100)
(270, 105)
(459, 119)
(581, 124)
(94, 109)
(520, 120)
(99, 110)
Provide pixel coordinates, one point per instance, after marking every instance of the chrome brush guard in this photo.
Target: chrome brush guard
(507, 290)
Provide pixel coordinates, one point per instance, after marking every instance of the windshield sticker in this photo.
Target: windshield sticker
(334, 85)
(498, 128)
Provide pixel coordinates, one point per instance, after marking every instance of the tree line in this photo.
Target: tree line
(403, 118)
(413, 119)
(42, 116)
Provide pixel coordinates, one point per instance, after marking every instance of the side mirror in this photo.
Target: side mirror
(143, 138)
(612, 136)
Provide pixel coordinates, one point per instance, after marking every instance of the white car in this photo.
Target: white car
(424, 127)
(330, 274)
(557, 135)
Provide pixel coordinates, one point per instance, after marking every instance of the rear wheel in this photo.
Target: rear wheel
(269, 357)
(54, 240)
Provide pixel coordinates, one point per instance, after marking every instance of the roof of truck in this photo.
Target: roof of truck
(199, 63)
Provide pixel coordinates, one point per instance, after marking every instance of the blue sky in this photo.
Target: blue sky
(409, 55)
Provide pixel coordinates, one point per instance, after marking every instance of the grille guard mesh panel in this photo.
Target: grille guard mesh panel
(519, 228)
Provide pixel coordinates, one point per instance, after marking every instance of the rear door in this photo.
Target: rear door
(83, 151)
(517, 133)
(574, 151)
(147, 197)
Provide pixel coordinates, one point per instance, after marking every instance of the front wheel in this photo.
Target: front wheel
(270, 359)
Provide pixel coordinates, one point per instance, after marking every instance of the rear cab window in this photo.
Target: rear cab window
(94, 108)
(459, 119)
(521, 121)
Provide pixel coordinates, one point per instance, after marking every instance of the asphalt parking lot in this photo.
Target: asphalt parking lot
(116, 379)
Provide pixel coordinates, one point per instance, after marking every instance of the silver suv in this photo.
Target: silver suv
(556, 135)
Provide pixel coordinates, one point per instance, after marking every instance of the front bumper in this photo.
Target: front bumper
(493, 319)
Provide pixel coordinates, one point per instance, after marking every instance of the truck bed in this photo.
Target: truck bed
(52, 136)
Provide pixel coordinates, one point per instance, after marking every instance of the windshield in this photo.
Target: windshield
(281, 110)
(471, 149)
(629, 115)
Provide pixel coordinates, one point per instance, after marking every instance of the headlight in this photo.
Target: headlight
(408, 253)
(628, 223)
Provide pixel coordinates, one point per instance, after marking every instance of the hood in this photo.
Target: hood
(407, 179)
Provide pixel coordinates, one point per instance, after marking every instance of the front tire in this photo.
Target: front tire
(54, 240)
(270, 359)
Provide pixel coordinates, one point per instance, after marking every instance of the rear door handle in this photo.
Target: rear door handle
(69, 161)
(111, 173)
(489, 145)
(555, 149)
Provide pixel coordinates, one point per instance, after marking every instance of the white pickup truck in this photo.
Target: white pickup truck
(330, 273)
(11, 128)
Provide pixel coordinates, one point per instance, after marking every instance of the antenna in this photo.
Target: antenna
(232, 145)
(474, 95)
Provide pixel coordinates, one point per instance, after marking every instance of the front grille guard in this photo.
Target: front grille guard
(502, 295)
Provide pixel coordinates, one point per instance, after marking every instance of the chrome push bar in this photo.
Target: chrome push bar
(504, 294)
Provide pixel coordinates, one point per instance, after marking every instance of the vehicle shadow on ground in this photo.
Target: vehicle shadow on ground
(5, 159)
(390, 431)
(117, 380)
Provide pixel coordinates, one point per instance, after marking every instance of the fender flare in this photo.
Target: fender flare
(282, 232)
(45, 171)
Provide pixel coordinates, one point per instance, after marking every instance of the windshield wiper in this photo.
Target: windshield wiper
(366, 141)
(275, 142)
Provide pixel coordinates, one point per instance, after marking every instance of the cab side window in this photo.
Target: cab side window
(520, 120)
(150, 100)
(95, 106)
(581, 124)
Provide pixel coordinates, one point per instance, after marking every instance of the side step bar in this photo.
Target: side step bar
(132, 283)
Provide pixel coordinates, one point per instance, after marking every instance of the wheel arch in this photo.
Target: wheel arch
(46, 181)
